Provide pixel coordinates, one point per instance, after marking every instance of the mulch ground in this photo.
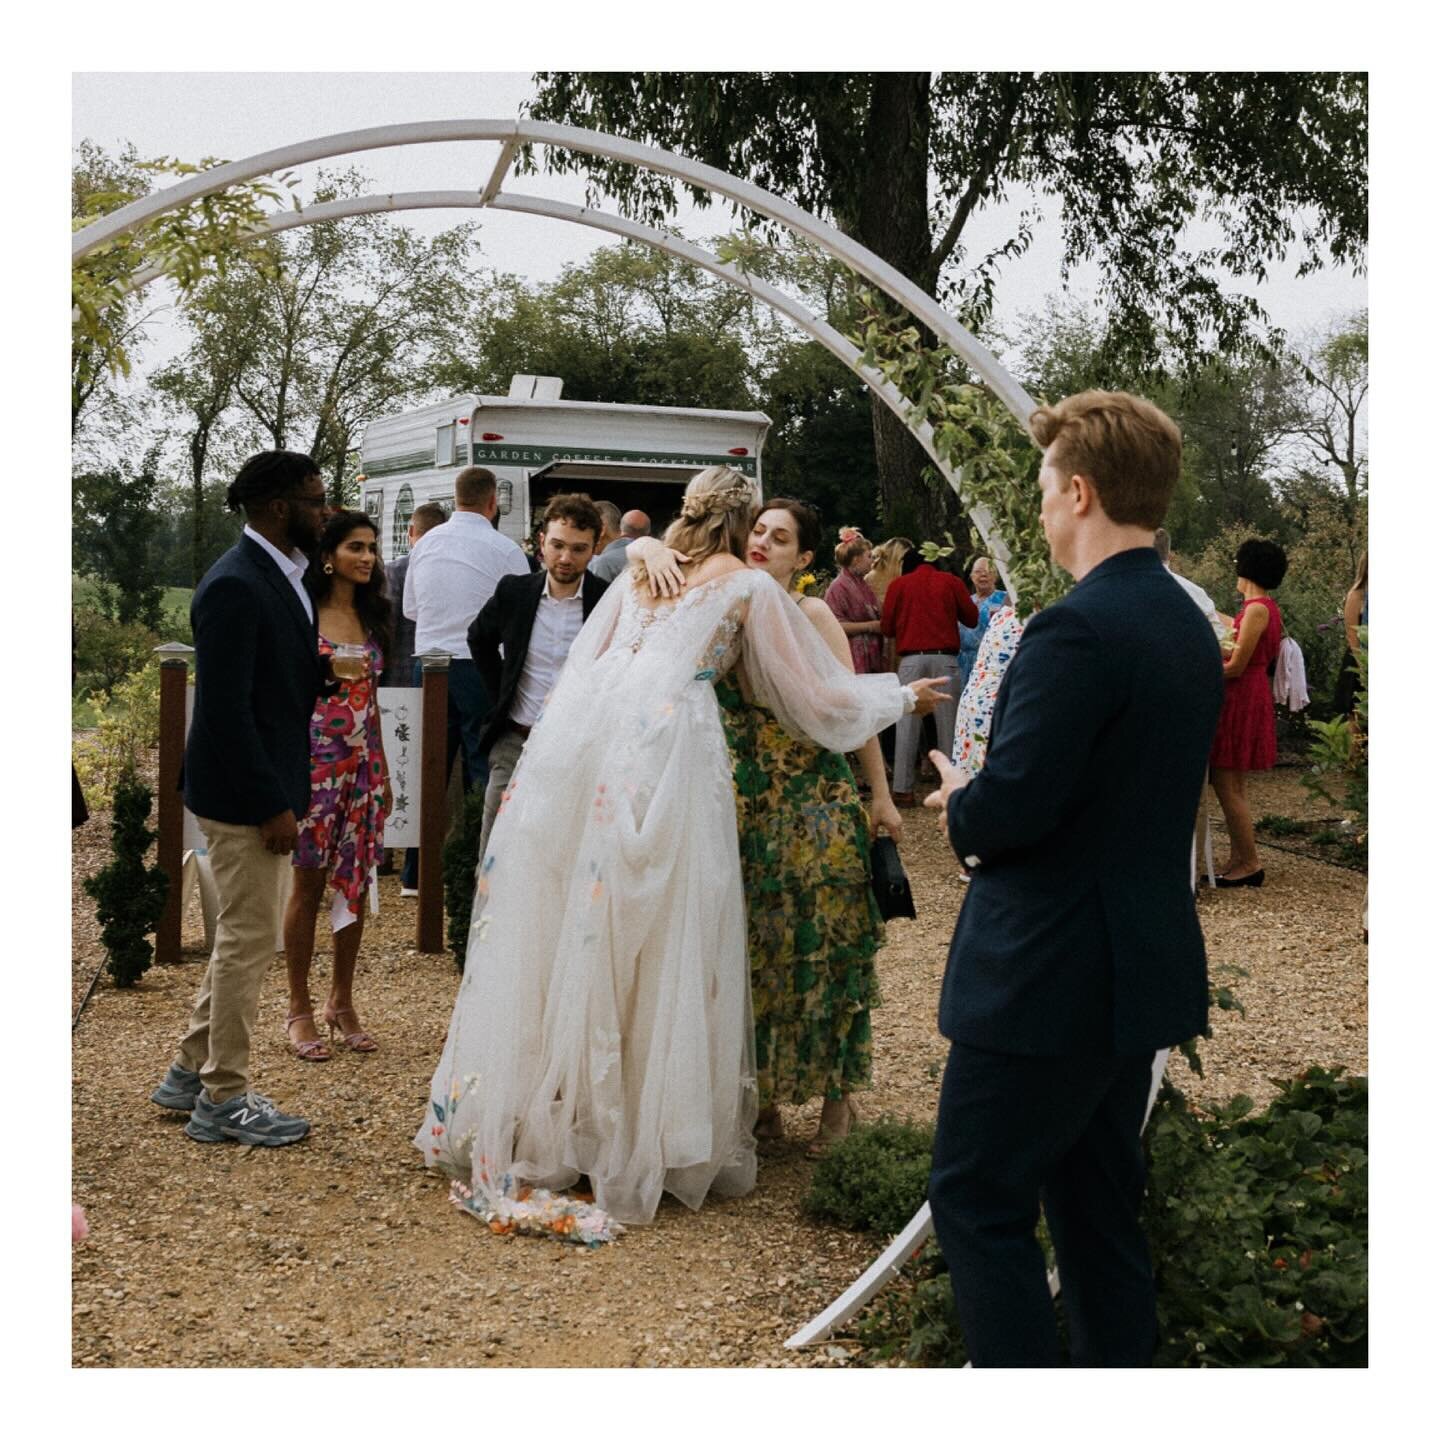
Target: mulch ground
(344, 1250)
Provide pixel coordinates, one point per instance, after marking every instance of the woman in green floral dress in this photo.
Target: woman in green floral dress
(814, 926)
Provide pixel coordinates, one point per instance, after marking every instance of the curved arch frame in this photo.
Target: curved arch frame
(513, 133)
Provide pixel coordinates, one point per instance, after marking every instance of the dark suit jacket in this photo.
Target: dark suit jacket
(257, 675)
(1078, 935)
(400, 661)
(506, 619)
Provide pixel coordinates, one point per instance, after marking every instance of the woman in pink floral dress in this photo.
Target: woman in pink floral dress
(342, 835)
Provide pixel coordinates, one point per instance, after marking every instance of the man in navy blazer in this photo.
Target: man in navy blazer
(247, 781)
(1077, 954)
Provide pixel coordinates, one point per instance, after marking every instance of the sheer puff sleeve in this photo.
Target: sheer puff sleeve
(793, 672)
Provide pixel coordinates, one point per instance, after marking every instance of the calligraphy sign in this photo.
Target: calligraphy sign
(400, 734)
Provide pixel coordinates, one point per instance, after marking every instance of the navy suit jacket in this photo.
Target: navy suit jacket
(257, 675)
(400, 661)
(505, 622)
(1078, 935)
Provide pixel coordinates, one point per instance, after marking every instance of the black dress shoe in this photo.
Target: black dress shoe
(1257, 879)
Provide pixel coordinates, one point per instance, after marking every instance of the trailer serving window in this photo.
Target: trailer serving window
(445, 444)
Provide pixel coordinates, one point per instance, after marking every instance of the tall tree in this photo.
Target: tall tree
(1328, 397)
(200, 386)
(115, 522)
(315, 332)
(905, 161)
(185, 245)
(629, 325)
(100, 181)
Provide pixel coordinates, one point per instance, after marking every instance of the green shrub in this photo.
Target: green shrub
(127, 723)
(1340, 750)
(873, 1179)
(1258, 1229)
(129, 894)
(461, 852)
(1258, 1225)
(1282, 825)
(108, 652)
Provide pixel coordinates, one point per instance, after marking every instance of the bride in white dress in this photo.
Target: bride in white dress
(603, 1024)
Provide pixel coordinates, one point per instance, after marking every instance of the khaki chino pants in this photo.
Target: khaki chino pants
(247, 882)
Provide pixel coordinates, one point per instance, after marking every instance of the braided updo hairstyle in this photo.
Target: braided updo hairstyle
(717, 514)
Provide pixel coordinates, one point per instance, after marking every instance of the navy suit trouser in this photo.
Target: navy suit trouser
(1013, 1133)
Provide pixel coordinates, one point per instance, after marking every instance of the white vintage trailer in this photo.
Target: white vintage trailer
(538, 445)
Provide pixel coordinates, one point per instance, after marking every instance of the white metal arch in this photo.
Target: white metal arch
(778, 300)
(511, 134)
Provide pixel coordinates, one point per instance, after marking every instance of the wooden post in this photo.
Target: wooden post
(430, 909)
(170, 807)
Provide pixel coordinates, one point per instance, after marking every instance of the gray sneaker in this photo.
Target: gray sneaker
(249, 1119)
(177, 1091)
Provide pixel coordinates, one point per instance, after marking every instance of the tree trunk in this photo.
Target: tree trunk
(199, 448)
(893, 220)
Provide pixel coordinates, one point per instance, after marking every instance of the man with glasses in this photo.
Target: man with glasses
(246, 779)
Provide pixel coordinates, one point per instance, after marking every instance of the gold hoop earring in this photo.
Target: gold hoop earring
(328, 568)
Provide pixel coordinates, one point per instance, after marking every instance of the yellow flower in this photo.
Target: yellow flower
(804, 582)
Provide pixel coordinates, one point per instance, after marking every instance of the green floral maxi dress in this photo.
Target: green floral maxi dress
(812, 921)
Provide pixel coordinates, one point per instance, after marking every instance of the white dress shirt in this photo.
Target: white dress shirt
(1206, 604)
(292, 566)
(557, 623)
(453, 571)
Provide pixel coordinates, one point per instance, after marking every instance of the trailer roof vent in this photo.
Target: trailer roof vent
(535, 387)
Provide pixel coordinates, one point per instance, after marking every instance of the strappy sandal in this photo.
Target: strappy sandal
(305, 1049)
(357, 1040)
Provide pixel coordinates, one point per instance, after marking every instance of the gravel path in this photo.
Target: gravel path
(343, 1250)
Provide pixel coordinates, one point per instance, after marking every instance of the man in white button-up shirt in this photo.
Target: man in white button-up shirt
(535, 622)
(453, 571)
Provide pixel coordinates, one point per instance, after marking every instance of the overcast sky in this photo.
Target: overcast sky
(230, 116)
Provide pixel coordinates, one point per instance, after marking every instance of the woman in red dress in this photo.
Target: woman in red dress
(1245, 736)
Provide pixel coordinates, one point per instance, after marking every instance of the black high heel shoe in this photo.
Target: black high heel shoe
(1257, 879)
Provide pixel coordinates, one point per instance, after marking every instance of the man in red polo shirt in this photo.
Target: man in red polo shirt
(924, 609)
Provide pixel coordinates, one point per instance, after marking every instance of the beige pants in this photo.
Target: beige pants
(247, 877)
(504, 757)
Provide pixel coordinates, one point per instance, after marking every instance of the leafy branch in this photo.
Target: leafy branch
(185, 245)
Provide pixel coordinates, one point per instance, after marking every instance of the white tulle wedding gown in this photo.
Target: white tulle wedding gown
(603, 1024)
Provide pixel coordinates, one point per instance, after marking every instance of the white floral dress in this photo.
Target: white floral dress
(603, 1026)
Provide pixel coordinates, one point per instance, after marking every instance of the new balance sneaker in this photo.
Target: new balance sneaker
(248, 1119)
(177, 1091)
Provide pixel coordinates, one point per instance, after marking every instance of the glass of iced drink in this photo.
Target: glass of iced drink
(350, 662)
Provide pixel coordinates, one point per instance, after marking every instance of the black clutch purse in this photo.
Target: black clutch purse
(889, 881)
